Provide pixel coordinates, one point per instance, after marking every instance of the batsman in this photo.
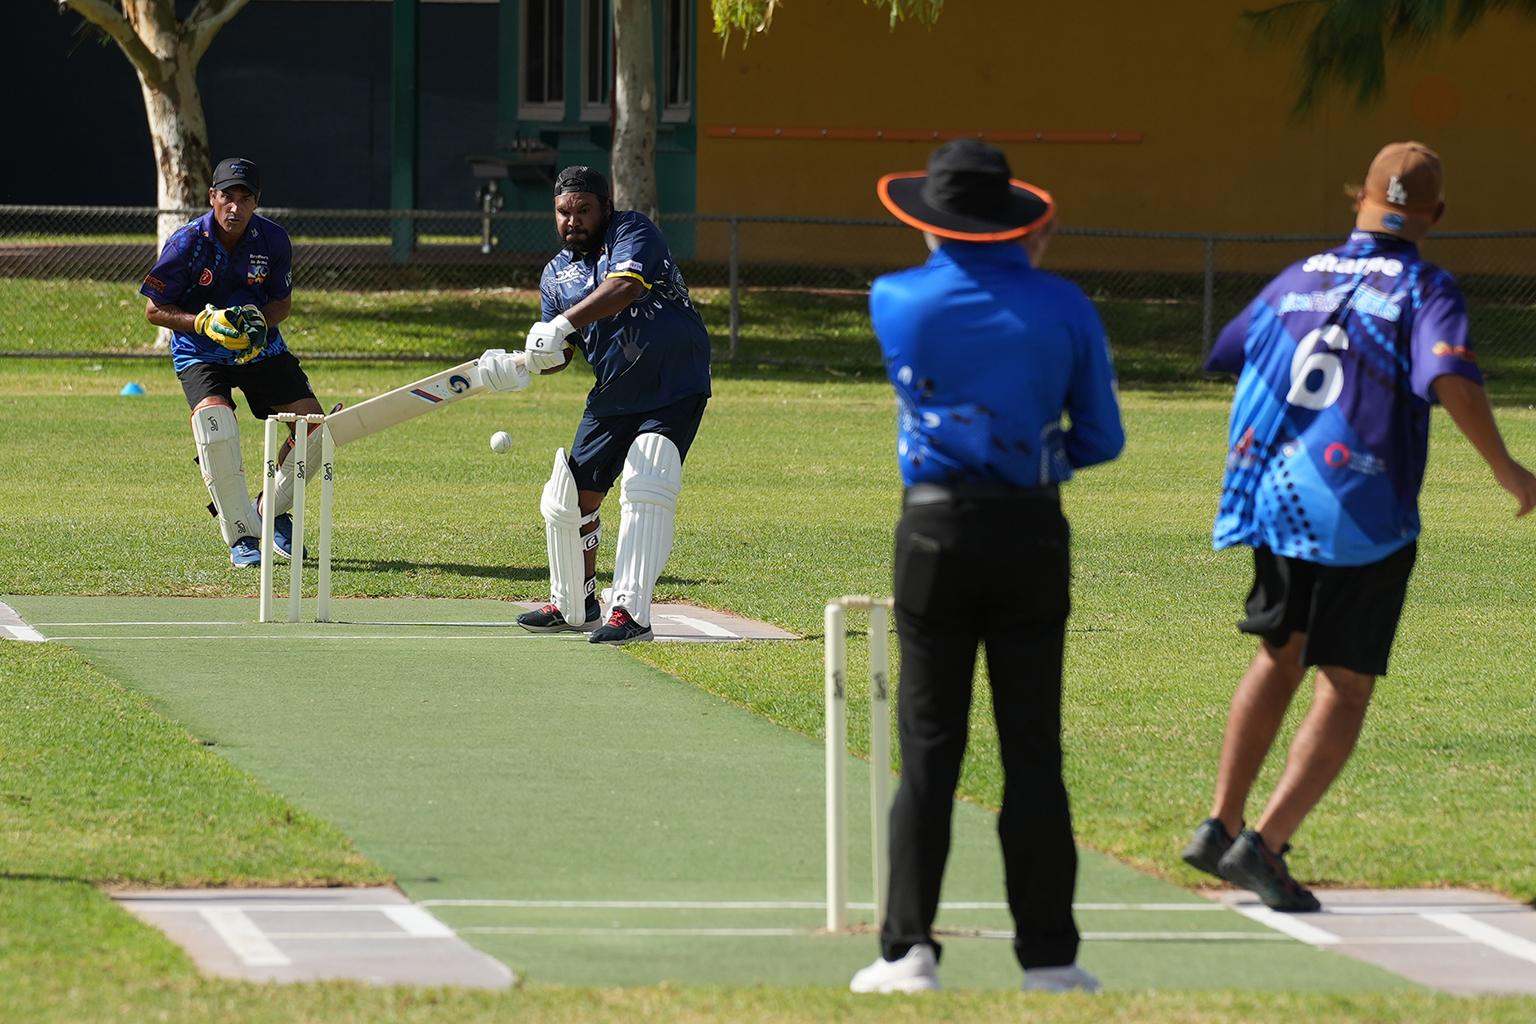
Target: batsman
(615, 292)
(222, 285)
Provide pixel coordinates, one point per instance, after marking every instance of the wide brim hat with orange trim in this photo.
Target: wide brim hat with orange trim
(968, 193)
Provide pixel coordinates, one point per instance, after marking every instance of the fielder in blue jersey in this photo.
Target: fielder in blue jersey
(1339, 361)
(617, 294)
(988, 355)
(221, 286)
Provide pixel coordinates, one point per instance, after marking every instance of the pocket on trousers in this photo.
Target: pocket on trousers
(917, 572)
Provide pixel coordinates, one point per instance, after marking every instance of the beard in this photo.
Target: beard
(588, 242)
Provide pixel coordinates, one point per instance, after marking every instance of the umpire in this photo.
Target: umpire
(986, 354)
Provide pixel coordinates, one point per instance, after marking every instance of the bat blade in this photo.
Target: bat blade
(406, 403)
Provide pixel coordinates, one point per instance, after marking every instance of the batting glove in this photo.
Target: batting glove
(549, 337)
(503, 371)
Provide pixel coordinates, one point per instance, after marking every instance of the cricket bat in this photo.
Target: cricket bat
(405, 403)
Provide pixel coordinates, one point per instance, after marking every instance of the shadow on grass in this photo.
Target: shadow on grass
(511, 573)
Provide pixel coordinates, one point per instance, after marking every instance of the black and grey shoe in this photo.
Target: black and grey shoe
(619, 630)
(549, 620)
(1210, 843)
(1251, 864)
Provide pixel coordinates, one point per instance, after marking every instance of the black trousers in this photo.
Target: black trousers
(996, 571)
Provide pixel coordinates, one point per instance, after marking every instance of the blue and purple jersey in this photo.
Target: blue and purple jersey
(986, 353)
(195, 271)
(651, 353)
(1329, 430)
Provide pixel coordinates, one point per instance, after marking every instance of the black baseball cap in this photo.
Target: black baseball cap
(580, 178)
(237, 171)
(968, 193)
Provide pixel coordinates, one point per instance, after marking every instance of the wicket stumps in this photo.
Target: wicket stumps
(879, 754)
(300, 456)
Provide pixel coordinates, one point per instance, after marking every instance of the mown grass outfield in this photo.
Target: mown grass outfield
(790, 495)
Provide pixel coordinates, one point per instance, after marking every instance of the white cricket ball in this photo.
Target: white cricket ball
(501, 442)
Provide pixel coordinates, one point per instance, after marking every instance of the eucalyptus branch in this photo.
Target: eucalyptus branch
(205, 21)
(106, 16)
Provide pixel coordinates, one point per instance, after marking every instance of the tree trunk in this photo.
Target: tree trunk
(634, 108)
(180, 137)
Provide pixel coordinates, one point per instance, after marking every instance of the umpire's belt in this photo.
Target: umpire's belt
(944, 494)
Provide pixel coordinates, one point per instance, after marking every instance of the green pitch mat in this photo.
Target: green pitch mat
(593, 821)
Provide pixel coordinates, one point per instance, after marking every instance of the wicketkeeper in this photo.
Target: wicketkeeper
(222, 285)
(615, 292)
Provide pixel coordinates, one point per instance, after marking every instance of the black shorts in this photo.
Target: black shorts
(602, 442)
(266, 383)
(1348, 612)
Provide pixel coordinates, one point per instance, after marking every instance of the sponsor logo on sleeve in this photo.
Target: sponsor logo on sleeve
(205, 278)
(154, 282)
(1445, 348)
(619, 268)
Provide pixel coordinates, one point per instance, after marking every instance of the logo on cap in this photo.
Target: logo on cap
(1397, 195)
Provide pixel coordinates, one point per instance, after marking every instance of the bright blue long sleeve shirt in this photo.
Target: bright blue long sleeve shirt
(986, 354)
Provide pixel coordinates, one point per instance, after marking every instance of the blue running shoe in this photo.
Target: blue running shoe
(245, 551)
(282, 536)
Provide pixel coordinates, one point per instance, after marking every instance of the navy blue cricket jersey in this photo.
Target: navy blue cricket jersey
(1330, 423)
(195, 271)
(653, 352)
(986, 353)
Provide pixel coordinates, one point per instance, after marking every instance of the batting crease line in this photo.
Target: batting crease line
(328, 636)
(786, 932)
(776, 905)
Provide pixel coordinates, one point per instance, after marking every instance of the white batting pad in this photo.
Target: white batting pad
(218, 454)
(562, 536)
(653, 475)
(282, 486)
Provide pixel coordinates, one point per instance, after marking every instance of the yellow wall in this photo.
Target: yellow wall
(1218, 152)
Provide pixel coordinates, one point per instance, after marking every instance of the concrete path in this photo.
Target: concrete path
(1460, 940)
(373, 935)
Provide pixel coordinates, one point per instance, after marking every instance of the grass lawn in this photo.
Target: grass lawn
(1155, 326)
(790, 496)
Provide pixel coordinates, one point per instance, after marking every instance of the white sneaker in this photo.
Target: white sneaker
(915, 972)
(1067, 978)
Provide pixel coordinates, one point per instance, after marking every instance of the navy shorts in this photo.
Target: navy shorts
(602, 442)
(1348, 612)
(266, 383)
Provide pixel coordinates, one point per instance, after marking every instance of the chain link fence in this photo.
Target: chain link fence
(440, 285)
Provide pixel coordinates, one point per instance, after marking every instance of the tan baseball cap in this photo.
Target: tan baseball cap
(1404, 191)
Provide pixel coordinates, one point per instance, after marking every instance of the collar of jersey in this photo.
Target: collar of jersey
(956, 251)
(1367, 241)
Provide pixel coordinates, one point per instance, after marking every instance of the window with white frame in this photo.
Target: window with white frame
(543, 85)
(677, 58)
(596, 60)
